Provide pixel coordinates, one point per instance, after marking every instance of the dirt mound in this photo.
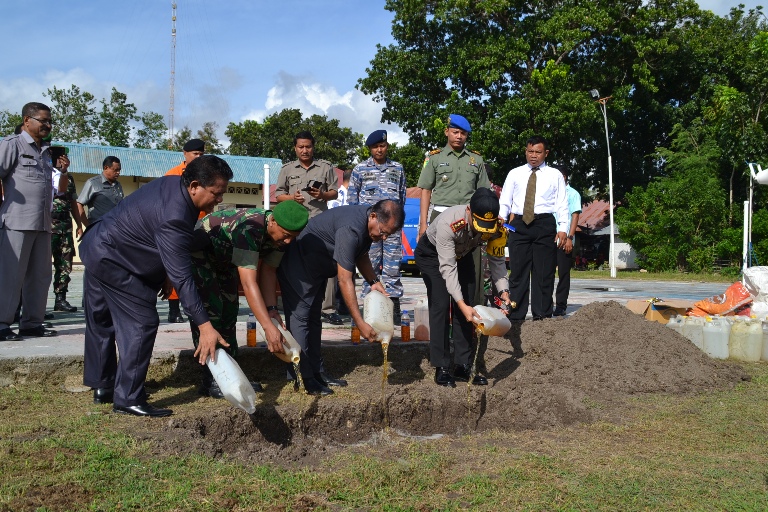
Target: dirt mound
(542, 374)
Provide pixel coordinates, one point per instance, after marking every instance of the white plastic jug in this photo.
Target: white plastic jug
(291, 346)
(421, 320)
(693, 330)
(232, 381)
(764, 356)
(492, 321)
(377, 311)
(746, 343)
(676, 323)
(716, 332)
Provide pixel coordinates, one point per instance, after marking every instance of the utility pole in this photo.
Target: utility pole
(173, 74)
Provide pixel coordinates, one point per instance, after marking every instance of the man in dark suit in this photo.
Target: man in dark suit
(130, 254)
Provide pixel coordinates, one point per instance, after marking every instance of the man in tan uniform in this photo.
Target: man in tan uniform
(448, 269)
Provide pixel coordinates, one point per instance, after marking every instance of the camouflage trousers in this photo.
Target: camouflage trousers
(386, 257)
(62, 250)
(217, 287)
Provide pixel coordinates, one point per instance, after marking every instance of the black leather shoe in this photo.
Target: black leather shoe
(315, 387)
(461, 374)
(48, 316)
(7, 334)
(103, 395)
(37, 332)
(176, 319)
(443, 377)
(62, 304)
(257, 387)
(142, 410)
(212, 390)
(333, 319)
(559, 311)
(323, 378)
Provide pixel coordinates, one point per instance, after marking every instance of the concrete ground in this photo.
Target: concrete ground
(174, 338)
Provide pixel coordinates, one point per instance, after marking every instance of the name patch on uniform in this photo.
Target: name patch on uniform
(458, 225)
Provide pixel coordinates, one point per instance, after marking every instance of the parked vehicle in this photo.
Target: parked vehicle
(410, 233)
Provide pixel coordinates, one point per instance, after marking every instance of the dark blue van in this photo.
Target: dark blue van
(410, 232)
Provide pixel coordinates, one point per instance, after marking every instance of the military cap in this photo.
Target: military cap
(376, 137)
(194, 145)
(460, 122)
(290, 215)
(484, 206)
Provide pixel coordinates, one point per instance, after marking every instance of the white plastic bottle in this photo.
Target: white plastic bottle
(716, 332)
(693, 330)
(746, 342)
(232, 381)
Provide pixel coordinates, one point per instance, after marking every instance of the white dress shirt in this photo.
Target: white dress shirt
(550, 194)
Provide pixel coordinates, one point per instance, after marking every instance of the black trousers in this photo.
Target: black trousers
(439, 301)
(564, 265)
(123, 309)
(532, 261)
(303, 298)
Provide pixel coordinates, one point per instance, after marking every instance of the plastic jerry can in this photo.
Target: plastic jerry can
(377, 311)
(421, 320)
(232, 381)
(746, 342)
(492, 321)
(716, 333)
(693, 330)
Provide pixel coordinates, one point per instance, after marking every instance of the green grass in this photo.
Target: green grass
(704, 452)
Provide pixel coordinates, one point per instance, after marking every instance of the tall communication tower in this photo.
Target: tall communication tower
(173, 74)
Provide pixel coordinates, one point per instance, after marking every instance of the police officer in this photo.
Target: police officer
(448, 270)
(63, 244)
(373, 180)
(229, 244)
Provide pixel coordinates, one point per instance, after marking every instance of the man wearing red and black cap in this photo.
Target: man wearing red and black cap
(444, 258)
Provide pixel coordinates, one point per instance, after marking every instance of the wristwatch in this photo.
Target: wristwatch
(271, 308)
(374, 281)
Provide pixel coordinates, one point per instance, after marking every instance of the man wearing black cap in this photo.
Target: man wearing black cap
(448, 269)
(192, 149)
(373, 180)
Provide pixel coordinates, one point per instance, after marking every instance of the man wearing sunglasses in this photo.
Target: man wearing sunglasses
(333, 243)
(444, 256)
(26, 171)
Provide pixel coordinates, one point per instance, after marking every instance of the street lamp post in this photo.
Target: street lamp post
(612, 252)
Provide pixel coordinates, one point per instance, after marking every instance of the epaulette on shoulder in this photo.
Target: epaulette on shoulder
(435, 151)
(475, 152)
(458, 225)
(324, 161)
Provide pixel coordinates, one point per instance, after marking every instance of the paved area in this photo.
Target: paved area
(173, 338)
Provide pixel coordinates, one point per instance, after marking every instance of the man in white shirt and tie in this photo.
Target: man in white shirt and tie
(533, 201)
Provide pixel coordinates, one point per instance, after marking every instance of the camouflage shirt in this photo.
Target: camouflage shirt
(237, 237)
(62, 204)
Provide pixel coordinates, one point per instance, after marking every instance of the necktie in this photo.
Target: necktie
(530, 197)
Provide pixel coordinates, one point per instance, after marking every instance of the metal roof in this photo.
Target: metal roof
(154, 163)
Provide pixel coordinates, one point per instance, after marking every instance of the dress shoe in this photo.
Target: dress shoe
(7, 334)
(142, 410)
(37, 332)
(48, 316)
(176, 319)
(315, 387)
(103, 395)
(443, 377)
(212, 390)
(332, 318)
(257, 387)
(323, 378)
(62, 304)
(462, 372)
(559, 311)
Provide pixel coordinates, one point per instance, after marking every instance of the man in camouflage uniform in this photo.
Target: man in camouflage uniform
(228, 247)
(373, 180)
(63, 244)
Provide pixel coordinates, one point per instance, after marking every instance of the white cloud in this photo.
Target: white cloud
(352, 108)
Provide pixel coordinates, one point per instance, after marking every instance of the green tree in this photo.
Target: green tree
(208, 135)
(411, 157)
(8, 122)
(151, 131)
(676, 222)
(179, 139)
(274, 137)
(74, 113)
(115, 119)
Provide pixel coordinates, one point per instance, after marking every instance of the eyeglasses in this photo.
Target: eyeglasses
(382, 233)
(49, 122)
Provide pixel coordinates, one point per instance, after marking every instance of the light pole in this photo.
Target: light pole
(612, 253)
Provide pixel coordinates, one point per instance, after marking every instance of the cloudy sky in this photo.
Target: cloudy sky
(235, 59)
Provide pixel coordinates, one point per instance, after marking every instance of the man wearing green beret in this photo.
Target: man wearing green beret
(228, 246)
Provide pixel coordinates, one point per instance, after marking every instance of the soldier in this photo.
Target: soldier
(373, 180)
(63, 244)
(229, 244)
(448, 270)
